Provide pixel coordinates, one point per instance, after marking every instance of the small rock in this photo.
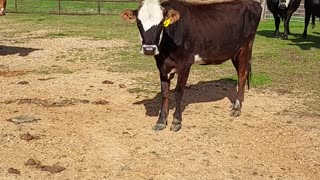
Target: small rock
(22, 119)
(107, 82)
(254, 173)
(28, 137)
(85, 101)
(31, 162)
(53, 169)
(23, 82)
(9, 101)
(100, 102)
(122, 86)
(45, 79)
(13, 171)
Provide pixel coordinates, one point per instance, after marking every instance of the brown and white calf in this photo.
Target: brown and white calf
(179, 34)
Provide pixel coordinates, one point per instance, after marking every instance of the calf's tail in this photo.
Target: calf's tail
(249, 75)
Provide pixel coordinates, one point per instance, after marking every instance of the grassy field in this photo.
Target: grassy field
(284, 66)
(68, 7)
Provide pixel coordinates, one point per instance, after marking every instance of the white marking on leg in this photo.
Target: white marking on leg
(236, 104)
(174, 70)
(150, 14)
(198, 60)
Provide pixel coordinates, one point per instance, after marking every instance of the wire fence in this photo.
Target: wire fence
(73, 7)
(94, 7)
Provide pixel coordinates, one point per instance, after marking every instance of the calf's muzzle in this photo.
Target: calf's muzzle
(150, 50)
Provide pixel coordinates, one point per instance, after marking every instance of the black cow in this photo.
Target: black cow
(312, 8)
(179, 34)
(282, 9)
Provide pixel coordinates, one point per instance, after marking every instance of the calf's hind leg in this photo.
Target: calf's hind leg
(242, 64)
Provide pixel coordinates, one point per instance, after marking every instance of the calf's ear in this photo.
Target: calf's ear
(129, 15)
(172, 16)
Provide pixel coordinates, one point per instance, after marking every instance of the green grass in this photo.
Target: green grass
(68, 7)
(290, 66)
(53, 70)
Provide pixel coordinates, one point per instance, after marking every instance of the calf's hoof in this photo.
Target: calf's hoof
(159, 127)
(235, 112)
(276, 35)
(285, 37)
(236, 109)
(175, 127)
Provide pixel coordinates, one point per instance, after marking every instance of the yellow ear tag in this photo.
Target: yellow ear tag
(166, 23)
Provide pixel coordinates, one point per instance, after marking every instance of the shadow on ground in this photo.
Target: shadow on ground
(204, 91)
(312, 40)
(21, 51)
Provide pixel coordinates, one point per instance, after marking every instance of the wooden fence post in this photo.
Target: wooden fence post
(264, 6)
(59, 7)
(16, 6)
(99, 6)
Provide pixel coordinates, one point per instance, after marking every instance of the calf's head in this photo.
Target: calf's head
(3, 4)
(151, 19)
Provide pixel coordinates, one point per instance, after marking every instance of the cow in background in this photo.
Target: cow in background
(179, 34)
(3, 4)
(313, 21)
(282, 10)
(312, 8)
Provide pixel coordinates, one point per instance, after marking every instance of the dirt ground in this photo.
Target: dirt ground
(90, 125)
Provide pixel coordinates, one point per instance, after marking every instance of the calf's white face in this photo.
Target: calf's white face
(150, 14)
(150, 18)
(150, 23)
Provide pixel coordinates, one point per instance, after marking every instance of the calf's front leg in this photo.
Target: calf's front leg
(183, 74)
(165, 92)
(167, 69)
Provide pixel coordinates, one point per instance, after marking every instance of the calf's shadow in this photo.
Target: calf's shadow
(204, 91)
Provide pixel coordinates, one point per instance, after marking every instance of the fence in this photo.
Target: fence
(79, 7)
(85, 7)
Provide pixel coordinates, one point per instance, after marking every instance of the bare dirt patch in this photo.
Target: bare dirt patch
(12, 73)
(91, 127)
